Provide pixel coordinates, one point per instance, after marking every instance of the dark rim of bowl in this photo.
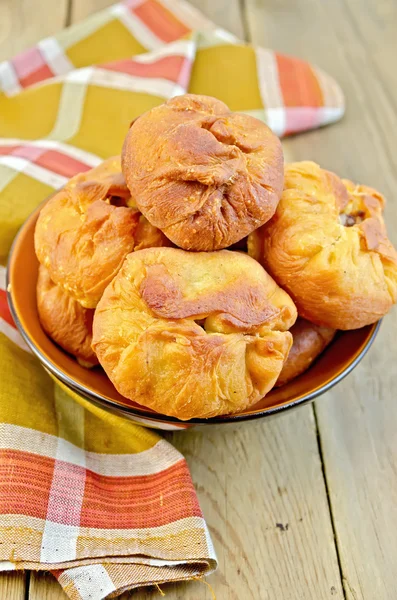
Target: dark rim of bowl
(158, 417)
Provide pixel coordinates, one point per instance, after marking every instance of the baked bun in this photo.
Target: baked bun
(193, 334)
(108, 173)
(327, 246)
(202, 174)
(309, 341)
(65, 320)
(85, 231)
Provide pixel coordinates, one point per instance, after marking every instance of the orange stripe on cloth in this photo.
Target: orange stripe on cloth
(298, 82)
(25, 482)
(139, 502)
(61, 163)
(4, 310)
(40, 74)
(168, 67)
(5, 150)
(160, 21)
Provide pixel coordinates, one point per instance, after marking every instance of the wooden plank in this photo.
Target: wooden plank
(25, 22)
(262, 492)
(12, 585)
(225, 13)
(83, 8)
(358, 420)
(44, 586)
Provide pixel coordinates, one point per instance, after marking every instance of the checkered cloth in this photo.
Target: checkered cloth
(102, 503)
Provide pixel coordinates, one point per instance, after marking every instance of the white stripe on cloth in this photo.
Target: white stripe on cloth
(183, 48)
(91, 581)
(88, 158)
(23, 439)
(62, 509)
(148, 462)
(6, 565)
(3, 272)
(215, 37)
(7, 175)
(13, 334)
(138, 29)
(9, 82)
(188, 14)
(330, 114)
(270, 90)
(276, 119)
(22, 165)
(55, 56)
(332, 92)
(73, 94)
(122, 81)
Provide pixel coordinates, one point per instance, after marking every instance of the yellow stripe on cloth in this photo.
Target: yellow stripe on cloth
(18, 199)
(228, 73)
(96, 48)
(26, 391)
(102, 426)
(106, 105)
(16, 113)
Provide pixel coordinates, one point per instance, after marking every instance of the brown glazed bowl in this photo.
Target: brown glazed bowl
(343, 354)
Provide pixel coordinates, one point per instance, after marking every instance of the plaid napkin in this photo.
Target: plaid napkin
(105, 504)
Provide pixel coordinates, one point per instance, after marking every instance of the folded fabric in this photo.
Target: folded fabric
(102, 503)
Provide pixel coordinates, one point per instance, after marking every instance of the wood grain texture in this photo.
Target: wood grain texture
(12, 586)
(358, 420)
(22, 23)
(44, 586)
(262, 492)
(82, 8)
(228, 14)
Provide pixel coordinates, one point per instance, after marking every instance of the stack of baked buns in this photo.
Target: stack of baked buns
(199, 271)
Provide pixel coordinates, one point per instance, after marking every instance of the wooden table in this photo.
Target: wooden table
(304, 506)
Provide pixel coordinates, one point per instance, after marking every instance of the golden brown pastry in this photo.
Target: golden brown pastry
(309, 341)
(203, 175)
(327, 246)
(65, 320)
(108, 172)
(193, 334)
(85, 231)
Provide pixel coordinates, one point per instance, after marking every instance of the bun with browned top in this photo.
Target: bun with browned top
(193, 334)
(327, 246)
(85, 231)
(202, 174)
(64, 319)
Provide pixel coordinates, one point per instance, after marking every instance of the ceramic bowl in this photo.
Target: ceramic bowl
(338, 360)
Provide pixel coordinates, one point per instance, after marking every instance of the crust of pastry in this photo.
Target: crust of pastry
(86, 230)
(210, 176)
(193, 334)
(327, 246)
(64, 319)
(309, 341)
